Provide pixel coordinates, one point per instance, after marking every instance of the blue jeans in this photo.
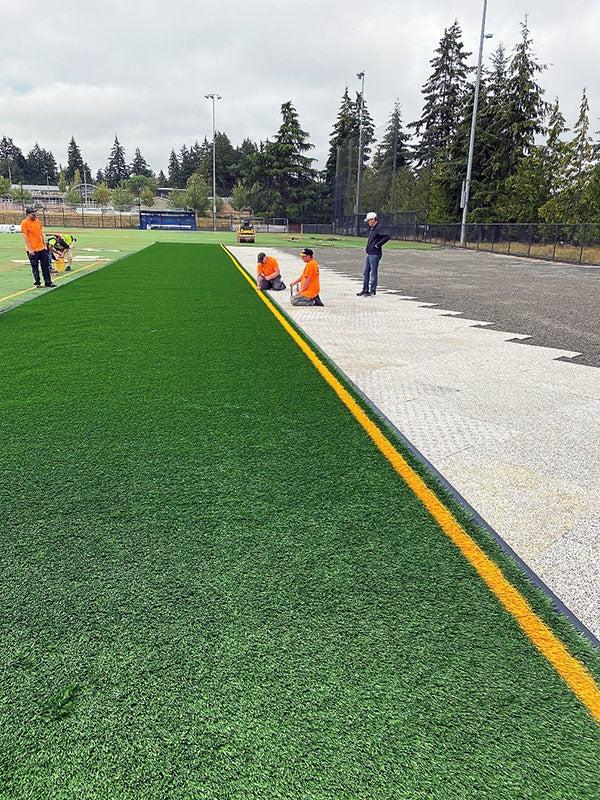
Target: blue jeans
(371, 269)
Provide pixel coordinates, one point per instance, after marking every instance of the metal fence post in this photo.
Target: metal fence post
(529, 243)
(509, 237)
(555, 242)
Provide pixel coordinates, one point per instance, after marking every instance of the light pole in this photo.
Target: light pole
(361, 77)
(467, 183)
(214, 97)
(85, 191)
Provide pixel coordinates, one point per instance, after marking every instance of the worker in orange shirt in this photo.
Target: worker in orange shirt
(35, 244)
(308, 293)
(268, 275)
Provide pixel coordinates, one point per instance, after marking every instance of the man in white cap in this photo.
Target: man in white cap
(377, 238)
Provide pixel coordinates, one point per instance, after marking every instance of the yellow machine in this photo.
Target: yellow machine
(245, 231)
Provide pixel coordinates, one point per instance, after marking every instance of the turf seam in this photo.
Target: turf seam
(557, 603)
(573, 672)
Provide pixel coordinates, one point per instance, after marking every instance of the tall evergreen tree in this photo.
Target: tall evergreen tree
(161, 179)
(391, 156)
(244, 156)
(392, 153)
(556, 147)
(186, 165)
(290, 167)
(339, 139)
(139, 165)
(41, 166)
(225, 162)
(174, 171)
(443, 94)
(116, 169)
(570, 202)
(525, 105)
(12, 160)
(75, 161)
(492, 139)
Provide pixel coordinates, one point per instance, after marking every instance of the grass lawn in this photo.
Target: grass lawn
(108, 244)
(215, 586)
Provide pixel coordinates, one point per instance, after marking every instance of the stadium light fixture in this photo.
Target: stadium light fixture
(213, 96)
(467, 184)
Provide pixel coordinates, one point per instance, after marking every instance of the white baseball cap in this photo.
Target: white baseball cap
(370, 215)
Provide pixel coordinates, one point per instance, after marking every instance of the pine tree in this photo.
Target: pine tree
(556, 148)
(41, 166)
(444, 93)
(226, 159)
(139, 165)
(391, 155)
(75, 161)
(368, 128)
(492, 140)
(174, 170)
(244, 156)
(339, 139)
(116, 169)
(161, 179)
(525, 106)
(291, 170)
(186, 166)
(570, 202)
(100, 176)
(12, 160)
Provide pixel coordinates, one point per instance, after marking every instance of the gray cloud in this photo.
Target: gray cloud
(142, 69)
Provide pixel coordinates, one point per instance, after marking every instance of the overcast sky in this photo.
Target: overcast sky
(141, 69)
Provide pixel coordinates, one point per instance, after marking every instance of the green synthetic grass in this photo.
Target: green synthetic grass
(214, 586)
(114, 244)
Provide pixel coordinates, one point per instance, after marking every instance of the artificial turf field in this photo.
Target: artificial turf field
(107, 244)
(215, 586)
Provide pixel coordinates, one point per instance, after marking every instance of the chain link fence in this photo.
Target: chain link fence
(575, 244)
(99, 218)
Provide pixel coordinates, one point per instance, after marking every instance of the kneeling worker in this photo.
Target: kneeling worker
(61, 245)
(268, 275)
(308, 293)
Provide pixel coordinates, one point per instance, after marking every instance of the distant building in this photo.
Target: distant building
(49, 195)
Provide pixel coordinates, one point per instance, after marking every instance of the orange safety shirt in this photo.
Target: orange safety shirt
(268, 266)
(32, 228)
(311, 271)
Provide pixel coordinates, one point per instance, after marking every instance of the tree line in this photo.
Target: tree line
(528, 166)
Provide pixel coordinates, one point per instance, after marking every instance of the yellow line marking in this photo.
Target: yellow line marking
(571, 670)
(54, 278)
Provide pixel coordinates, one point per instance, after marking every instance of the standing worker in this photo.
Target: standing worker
(308, 293)
(377, 238)
(35, 243)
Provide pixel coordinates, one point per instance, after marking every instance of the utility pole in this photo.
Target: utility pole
(361, 77)
(467, 183)
(213, 96)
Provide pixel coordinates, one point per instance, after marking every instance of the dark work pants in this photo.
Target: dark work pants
(40, 258)
(370, 271)
(276, 284)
